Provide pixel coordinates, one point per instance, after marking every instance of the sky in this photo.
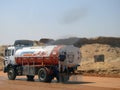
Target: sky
(36, 19)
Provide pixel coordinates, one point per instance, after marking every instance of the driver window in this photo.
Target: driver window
(7, 52)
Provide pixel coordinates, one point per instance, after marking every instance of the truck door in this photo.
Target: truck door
(9, 57)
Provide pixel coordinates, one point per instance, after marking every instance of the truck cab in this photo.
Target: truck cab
(9, 57)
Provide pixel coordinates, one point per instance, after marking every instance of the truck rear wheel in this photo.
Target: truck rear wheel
(11, 74)
(63, 78)
(44, 76)
(30, 78)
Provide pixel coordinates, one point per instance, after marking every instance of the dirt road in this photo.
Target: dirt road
(75, 83)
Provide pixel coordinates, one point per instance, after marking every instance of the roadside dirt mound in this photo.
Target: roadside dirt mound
(78, 42)
(1, 63)
(112, 41)
(2, 49)
(90, 50)
(110, 63)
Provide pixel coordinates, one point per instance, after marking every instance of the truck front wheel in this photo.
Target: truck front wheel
(11, 74)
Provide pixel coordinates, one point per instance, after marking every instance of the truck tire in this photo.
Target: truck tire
(63, 78)
(11, 74)
(44, 76)
(30, 78)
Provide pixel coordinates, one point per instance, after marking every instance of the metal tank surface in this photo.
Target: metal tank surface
(48, 55)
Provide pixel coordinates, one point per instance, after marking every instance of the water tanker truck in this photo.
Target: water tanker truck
(48, 62)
